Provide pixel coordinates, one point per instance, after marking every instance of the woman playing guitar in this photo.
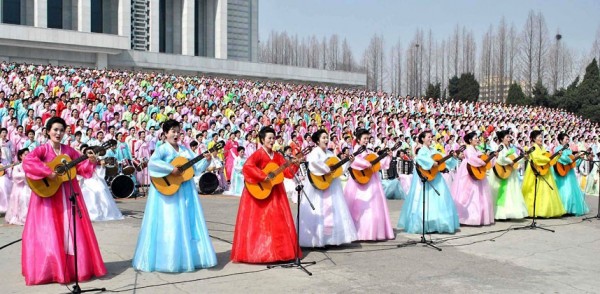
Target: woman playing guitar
(47, 253)
(441, 213)
(548, 202)
(264, 230)
(571, 195)
(367, 203)
(472, 197)
(330, 223)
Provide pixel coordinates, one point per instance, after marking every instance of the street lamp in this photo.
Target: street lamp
(558, 37)
(416, 70)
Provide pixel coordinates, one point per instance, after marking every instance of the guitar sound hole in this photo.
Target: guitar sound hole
(260, 186)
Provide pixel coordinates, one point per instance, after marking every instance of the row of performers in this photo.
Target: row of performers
(174, 238)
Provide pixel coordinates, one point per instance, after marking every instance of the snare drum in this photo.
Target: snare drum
(112, 168)
(122, 186)
(208, 183)
(127, 167)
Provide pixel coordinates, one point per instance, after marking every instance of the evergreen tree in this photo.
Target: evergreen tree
(588, 92)
(453, 87)
(468, 88)
(516, 95)
(433, 91)
(540, 95)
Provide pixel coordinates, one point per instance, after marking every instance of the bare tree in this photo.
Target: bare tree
(528, 50)
(347, 58)
(373, 61)
(513, 51)
(596, 46)
(500, 49)
(429, 56)
(541, 45)
(455, 58)
(334, 52)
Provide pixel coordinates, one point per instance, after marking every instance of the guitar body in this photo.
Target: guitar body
(46, 187)
(376, 167)
(323, 182)
(479, 172)
(563, 169)
(262, 190)
(504, 171)
(2, 171)
(361, 176)
(168, 185)
(543, 170)
(432, 173)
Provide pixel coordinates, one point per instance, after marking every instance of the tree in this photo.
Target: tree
(468, 88)
(453, 87)
(516, 95)
(540, 95)
(434, 91)
(588, 92)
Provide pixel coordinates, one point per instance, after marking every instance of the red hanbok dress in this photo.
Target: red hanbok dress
(264, 230)
(47, 250)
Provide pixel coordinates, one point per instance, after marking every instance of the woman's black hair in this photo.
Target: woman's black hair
(169, 124)
(360, 132)
(534, 135)
(561, 136)
(20, 153)
(469, 137)
(502, 134)
(316, 135)
(55, 120)
(422, 136)
(262, 134)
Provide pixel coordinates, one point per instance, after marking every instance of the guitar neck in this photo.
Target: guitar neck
(343, 161)
(557, 153)
(191, 162)
(282, 168)
(445, 158)
(75, 162)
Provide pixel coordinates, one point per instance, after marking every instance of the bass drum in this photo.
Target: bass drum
(208, 183)
(122, 186)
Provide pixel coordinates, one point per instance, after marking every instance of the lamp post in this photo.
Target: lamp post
(416, 88)
(558, 37)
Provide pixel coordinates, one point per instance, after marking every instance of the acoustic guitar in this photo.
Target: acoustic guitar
(323, 182)
(563, 169)
(64, 168)
(4, 168)
(504, 171)
(543, 170)
(169, 184)
(441, 161)
(363, 176)
(479, 172)
(262, 190)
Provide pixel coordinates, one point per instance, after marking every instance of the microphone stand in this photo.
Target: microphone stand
(424, 183)
(297, 263)
(597, 215)
(533, 224)
(75, 211)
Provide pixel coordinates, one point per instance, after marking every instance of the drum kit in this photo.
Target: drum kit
(119, 176)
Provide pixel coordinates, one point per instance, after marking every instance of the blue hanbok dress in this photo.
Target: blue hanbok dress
(570, 194)
(237, 178)
(440, 213)
(173, 236)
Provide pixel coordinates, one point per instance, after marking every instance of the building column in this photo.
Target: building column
(84, 15)
(221, 30)
(124, 14)
(187, 27)
(175, 21)
(40, 13)
(101, 60)
(154, 25)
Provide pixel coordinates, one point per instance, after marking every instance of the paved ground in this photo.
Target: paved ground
(478, 259)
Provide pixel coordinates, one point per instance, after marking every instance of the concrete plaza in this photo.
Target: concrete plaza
(492, 259)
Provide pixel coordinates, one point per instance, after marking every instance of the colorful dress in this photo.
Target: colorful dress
(5, 187)
(330, 223)
(548, 202)
(589, 177)
(572, 197)
(98, 199)
(440, 212)
(237, 178)
(231, 154)
(47, 250)
(367, 204)
(472, 197)
(264, 230)
(20, 194)
(506, 193)
(173, 236)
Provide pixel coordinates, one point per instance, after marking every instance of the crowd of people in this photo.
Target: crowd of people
(237, 127)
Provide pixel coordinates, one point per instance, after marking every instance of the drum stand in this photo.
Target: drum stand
(598, 214)
(297, 261)
(74, 212)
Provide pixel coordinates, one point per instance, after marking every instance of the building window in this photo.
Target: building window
(11, 11)
(162, 41)
(55, 14)
(96, 14)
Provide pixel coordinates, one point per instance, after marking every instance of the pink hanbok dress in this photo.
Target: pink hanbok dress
(47, 249)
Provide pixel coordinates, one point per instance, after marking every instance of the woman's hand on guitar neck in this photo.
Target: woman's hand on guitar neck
(351, 158)
(92, 156)
(436, 164)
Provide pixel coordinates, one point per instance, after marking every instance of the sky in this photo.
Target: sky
(577, 20)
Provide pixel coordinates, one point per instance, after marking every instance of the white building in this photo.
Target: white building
(187, 36)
